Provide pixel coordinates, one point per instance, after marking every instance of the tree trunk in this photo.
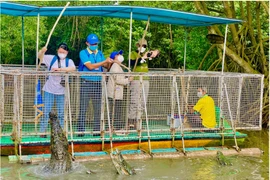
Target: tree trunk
(263, 64)
(229, 12)
(247, 46)
(229, 52)
(249, 21)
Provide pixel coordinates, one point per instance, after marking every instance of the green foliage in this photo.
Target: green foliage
(11, 39)
(113, 33)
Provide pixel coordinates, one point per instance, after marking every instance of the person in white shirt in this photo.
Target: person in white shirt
(115, 88)
(54, 88)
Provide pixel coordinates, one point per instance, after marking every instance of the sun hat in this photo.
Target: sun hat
(141, 42)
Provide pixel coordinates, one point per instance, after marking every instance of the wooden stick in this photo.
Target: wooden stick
(120, 64)
(141, 44)
(56, 22)
(49, 37)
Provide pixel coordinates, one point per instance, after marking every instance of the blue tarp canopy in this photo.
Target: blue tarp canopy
(165, 16)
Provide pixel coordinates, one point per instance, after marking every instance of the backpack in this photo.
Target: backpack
(53, 61)
(81, 65)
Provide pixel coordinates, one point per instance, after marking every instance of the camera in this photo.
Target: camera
(149, 54)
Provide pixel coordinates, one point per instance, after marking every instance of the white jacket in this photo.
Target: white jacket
(116, 82)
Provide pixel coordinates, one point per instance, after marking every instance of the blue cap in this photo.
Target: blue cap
(92, 39)
(114, 53)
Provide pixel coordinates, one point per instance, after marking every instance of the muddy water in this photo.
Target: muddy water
(246, 168)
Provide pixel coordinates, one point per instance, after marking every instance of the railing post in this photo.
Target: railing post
(261, 101)
(66, 110)
(239, 99)
(69, 113)
(2, 102)
(146, 117)
(230, 113)
(102, 111)
(171, 122)
(108, 114)
(138, 114)
(180, 118)
(21, 112)
(77, 100)
(16, 125)
(221, 120)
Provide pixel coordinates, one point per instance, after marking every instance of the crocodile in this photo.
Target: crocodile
(222, 160)
(61, 159)
(121, 164)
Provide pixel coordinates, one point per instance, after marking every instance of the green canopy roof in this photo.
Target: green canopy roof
(165, 16)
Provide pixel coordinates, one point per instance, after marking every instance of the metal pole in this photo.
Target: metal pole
(261, 102)
(180, 118)
(130, 38)
(138, 114)
(22, 42)
(239, 99)
(224, 49)
(185, 50)
(108, 115)
(221, 83)
(70, 117)
(230, 113)
(127, 107)
(171, 122)
(146, 116)
(66, 112)
(15, 125)
(221, 120)
(21, 112)
(102, 119)
(2, 101)
(113, 105)
(37, 65)
(77, 101)
(37, 42)
(186, 100)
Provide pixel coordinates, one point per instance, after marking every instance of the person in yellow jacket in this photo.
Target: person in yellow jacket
(206, 107)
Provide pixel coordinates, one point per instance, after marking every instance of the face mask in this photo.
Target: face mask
(199, 94)
(142, 49)
(120, 58)
(93, 48)
(62, 55)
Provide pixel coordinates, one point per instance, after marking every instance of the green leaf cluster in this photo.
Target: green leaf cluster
(113, 33)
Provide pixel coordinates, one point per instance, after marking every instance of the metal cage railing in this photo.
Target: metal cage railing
(154, 104)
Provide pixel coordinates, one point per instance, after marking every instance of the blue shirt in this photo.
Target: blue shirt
(92, 58)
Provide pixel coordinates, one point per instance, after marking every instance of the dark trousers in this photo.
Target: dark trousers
(118, 114)
(90, 90)
(195, 120)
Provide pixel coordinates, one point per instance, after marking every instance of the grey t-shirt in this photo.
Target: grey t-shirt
(53, 85)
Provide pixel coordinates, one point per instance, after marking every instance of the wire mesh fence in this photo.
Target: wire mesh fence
(159, 103)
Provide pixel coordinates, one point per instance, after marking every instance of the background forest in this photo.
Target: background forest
(247, 46)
